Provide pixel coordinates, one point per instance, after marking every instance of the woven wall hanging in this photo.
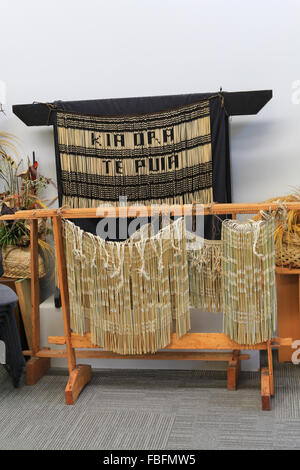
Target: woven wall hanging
(127, 294)
(161, 157)
(248, 280)
(204, 263)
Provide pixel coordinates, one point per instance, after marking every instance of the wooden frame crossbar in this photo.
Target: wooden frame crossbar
(188, 347)
(148, 211)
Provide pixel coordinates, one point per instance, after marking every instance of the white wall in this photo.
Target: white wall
(74, 49)
(71, 49)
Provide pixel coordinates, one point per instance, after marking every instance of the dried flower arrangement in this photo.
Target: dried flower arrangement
(22, 189)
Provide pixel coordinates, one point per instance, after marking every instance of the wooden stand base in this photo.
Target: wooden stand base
(265, 389)
(36, 367)
(233, 371)
(232, 375)
(78, 379)
(184, 347)
(267, 379)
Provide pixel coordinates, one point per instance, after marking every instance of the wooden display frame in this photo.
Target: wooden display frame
(187, 348)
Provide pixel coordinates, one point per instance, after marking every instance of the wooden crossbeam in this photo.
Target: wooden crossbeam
(148, 211)
(190, 341)
(161, 355)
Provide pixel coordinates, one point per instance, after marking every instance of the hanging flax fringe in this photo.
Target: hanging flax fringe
(248, 280)
(204, 264)
(127, 293)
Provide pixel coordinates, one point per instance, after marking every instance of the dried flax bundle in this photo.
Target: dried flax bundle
(248, 280)
(204, 265)
(127, 293)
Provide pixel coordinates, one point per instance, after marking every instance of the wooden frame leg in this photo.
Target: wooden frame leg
(233, 371)
(80, 375)
(36, 367)
(78, 378)
(265, 389)
(270, 367)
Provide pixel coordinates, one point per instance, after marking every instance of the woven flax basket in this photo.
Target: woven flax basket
(287, 233)
(16, 262)
(288, 255)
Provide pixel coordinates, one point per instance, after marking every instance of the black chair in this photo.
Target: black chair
(14, 360)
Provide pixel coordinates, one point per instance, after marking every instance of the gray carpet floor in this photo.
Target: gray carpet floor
(142, 409)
